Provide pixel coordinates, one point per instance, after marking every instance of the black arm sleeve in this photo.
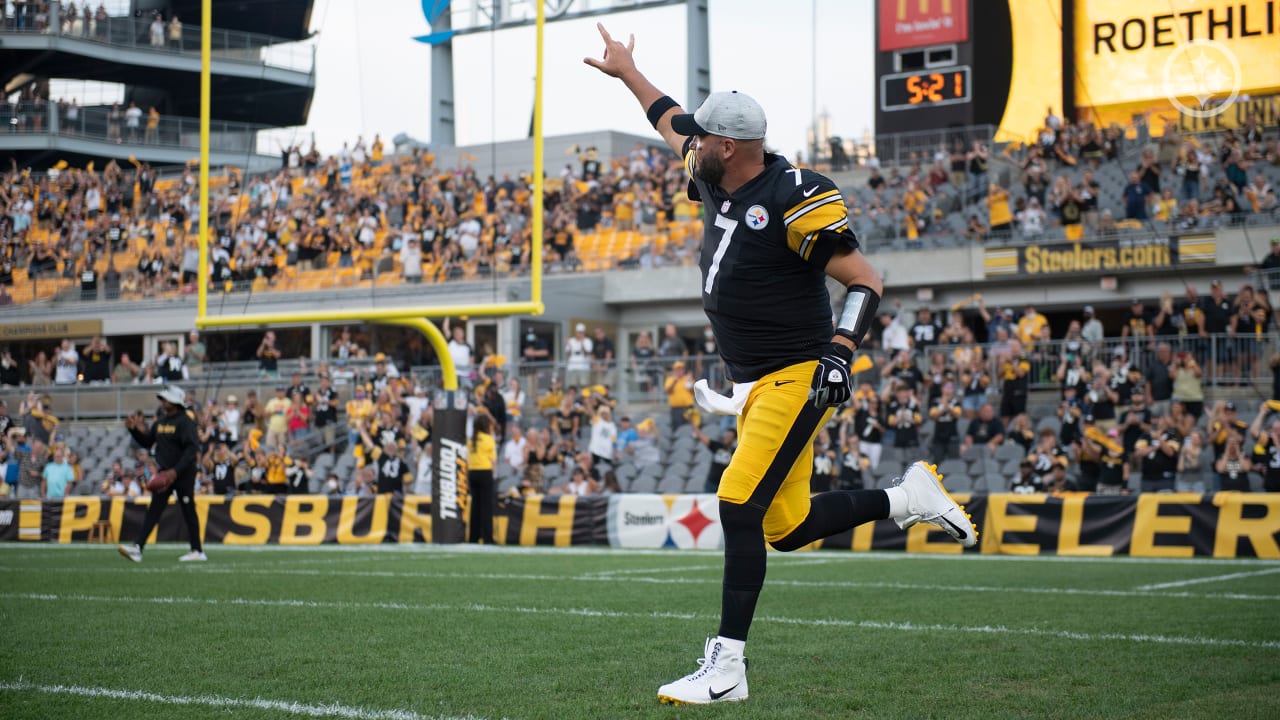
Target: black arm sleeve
(145, 437)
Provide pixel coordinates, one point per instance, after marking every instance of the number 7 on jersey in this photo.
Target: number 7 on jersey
(728, 226)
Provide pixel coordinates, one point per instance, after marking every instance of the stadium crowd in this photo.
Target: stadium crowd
(366, 215)
(1099, 409)
(1131, 398)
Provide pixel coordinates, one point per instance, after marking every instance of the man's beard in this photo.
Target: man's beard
(709, 169)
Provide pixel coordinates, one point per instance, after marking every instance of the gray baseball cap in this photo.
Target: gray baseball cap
(728, 114)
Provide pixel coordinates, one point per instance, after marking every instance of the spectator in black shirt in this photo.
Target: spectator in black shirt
(904, 417)
(325, 417)
(1136, 421)
(1137, 324)
(1160, 457)
(97, 361)
(1159, 385)
(945, 413)
(721, 454)
(876, 181)
(926, 331)
(984, 430)
(268, 356)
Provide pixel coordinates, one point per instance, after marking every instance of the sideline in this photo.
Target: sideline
(1214, 578)
(596, 613)
(462, 549)
(204, 569)
(217, 701)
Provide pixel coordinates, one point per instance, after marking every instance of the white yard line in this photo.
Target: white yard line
(331, 710)
(774, 581)
(463, 549)
(595, 612)
(1213, 578)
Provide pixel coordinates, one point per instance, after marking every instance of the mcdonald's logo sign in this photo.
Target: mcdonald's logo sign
(914, 23)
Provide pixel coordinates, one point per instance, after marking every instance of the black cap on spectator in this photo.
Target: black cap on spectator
(1088, 418)
(1230, 405)
(1216, 283)
(1136, 301)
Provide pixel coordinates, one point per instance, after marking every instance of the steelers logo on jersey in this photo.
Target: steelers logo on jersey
(757, 217)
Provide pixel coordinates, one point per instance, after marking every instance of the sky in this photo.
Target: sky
(373, 77)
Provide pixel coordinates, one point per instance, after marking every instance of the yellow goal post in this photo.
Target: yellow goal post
(408, 316)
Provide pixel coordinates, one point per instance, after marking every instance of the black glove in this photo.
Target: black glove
(832, 385)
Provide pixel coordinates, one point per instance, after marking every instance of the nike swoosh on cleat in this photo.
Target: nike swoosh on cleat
(778, 383)
(717, 695)
(811, 191)
(960, 533)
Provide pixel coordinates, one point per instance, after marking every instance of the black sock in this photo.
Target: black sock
(744, 567)
(834, 512)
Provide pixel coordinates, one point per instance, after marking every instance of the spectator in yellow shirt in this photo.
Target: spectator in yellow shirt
(679, 389)
(1029, 325)
(482, 458)
(624, 209)
(1001, 216)
(277, 412)
(359, 411)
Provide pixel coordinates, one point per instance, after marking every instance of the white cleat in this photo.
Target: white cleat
(722, 678)
(929, 502)
(194, 556)
(133, 552)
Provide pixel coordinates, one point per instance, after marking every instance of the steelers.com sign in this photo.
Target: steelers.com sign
(665, 521)
(1198, 57)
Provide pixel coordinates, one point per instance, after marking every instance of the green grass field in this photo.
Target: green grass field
(436, 632)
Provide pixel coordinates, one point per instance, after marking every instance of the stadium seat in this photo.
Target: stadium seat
(1009, 451)
(644, 484)
(671, 484)
(952, 467)
(959, 482)
(1051, 422)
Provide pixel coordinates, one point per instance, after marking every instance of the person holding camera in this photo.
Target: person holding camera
(268, 356)
(173, 435)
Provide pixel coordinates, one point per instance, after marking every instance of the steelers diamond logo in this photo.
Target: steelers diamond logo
(1198, 72)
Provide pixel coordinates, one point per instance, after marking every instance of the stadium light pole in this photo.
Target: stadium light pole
(813, 90)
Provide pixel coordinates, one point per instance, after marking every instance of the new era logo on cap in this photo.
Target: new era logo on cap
(728, 114)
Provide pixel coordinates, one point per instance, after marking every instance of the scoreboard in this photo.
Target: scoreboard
(910, 90)
(1193, 64)
(952, 63)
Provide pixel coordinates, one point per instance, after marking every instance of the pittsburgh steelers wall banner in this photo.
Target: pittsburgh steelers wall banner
(559, 520)
(1177, 525)
(449, 495)
(1105, 256)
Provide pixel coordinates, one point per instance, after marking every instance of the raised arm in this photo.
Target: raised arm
(618, 62)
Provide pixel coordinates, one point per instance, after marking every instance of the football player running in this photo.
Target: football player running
(772, 234)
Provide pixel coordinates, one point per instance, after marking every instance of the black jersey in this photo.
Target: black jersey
(764, 253)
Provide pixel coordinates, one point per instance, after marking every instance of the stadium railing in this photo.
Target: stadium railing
(903, 148)
(92, 123)
(135, 33)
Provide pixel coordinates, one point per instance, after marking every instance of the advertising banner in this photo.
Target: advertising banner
(916, 23)
(1197, 57)
(449, 490)
(1176, 525)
